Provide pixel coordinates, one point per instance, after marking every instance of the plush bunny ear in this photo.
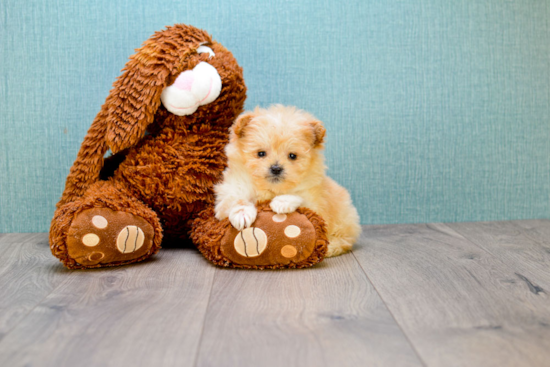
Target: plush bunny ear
(135, 98)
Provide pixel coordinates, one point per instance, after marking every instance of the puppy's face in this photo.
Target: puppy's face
(279, 146)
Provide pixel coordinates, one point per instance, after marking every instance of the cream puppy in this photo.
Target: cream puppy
(276, 154)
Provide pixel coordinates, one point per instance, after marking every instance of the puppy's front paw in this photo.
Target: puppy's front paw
(284, 204)
(242, 216)
(221, 210)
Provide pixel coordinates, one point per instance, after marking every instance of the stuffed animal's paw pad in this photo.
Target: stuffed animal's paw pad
(102, 235)
(292, 231)
(90, 239)
(250, 242)
(99, 221)
(279, 218)
(289, 251)
(130, 239)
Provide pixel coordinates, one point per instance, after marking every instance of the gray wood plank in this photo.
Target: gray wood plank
(146, 314)
(537, 229)
(42, 238)
(329, 315)
(28, 273)
(512, 243)
(457, 303)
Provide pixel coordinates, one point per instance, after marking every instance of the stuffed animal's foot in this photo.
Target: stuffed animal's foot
(102, 237)
(293, 240)
(272, 239)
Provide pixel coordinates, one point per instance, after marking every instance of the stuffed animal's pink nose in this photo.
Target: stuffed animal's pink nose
(185, 80)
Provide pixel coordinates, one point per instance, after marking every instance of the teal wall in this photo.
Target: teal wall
(435, 110)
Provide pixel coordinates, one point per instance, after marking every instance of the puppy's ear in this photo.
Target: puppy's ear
(319, 132)
(240, 123)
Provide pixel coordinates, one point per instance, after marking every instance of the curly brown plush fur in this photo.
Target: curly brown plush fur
(208, 234)
(163, 168)
(166, 176)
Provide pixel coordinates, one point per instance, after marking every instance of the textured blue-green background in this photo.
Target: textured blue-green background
(435, 110)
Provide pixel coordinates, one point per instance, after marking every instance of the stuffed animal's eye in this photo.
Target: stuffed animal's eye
(292, 156)
(261, 154)
(202, 49)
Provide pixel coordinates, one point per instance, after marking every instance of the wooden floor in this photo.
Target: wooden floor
(465, 294)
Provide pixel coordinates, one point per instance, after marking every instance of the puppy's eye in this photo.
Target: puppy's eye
(205, 49)
(292, 156)
(261, 154)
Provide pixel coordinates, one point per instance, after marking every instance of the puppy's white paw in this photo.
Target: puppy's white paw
(242, 216)
(221, 210)
(284, 204)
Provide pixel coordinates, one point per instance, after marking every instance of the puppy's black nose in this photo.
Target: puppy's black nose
(276, 169)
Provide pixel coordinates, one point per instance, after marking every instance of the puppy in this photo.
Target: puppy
(276, 154)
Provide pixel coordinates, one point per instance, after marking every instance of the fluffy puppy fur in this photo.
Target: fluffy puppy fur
(276, 154)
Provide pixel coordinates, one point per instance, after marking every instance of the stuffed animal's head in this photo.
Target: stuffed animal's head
(179, 76)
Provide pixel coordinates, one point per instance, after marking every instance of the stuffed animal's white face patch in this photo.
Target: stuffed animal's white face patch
(192, 88)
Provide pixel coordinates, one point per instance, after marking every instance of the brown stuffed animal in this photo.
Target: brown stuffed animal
(166, 122)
